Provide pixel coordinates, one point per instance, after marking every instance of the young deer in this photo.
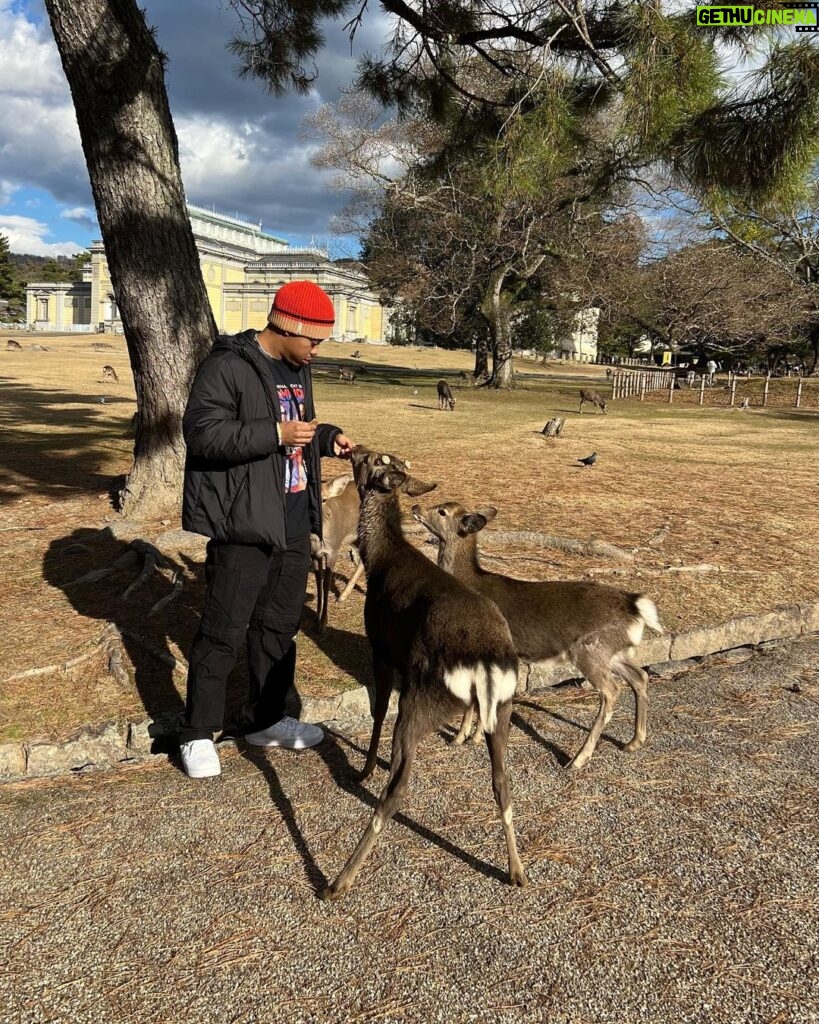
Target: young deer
(594, 398)
(339, 529)
(450, 646)
(109, 373)
(349, 376)
(588, 624)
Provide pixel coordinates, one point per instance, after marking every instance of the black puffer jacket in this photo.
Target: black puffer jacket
(234, 471)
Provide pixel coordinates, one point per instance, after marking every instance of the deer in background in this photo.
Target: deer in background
(588, 624)
(450, 646)
(109, 374)
(347, 376)
(445, 399)
(339, 512)
(594, 398)
(13, 346)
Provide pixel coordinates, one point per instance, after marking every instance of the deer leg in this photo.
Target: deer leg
(496, 744)
(319, 574)
(408, 731)
(382, 674)
(359, 571)
(326, 584)
(608, 691)
(466, 725)
(638, 681)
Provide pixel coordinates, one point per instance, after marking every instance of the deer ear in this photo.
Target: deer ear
(472, 522)
(488, 513)
(413, 487)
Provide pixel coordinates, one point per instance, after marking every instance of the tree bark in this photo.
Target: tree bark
(500, 332)
(115, 71)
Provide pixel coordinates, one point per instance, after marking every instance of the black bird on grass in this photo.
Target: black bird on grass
(589, 460)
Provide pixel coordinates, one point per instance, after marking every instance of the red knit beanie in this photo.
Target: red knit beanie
(301, 307)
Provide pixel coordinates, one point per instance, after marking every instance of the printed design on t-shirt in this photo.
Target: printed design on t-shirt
(291, 403)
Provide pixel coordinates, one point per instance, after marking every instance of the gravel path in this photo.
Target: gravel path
(675, 884)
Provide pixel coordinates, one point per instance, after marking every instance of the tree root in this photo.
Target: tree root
(597, 548)
(152, 561)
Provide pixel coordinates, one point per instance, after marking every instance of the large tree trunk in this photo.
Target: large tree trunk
(116, 74)
(499, 329)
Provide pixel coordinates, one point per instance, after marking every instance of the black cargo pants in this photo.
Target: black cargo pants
(255, 593)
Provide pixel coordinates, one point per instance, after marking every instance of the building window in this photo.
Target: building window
(351, 318)
(42, 309)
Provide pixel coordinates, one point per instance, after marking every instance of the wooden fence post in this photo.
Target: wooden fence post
(702, 388)
(733, 389)
(765, 391)
(799, 393)
(670, 388)
(643, 386)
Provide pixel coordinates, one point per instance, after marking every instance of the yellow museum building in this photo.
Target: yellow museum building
(243, 268)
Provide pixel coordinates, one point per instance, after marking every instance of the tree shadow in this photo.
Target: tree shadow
(85, 433)
(146, 638)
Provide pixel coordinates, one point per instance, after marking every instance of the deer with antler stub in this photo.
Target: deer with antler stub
(449, 646)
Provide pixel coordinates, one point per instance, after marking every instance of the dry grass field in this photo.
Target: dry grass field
(737, 490)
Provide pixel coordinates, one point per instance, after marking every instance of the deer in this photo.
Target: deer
(589, 624)
(450, 646)
(348, 376)
(340, 509)
(594, 398)
(445, 399)
(109, 374)
(13, 346)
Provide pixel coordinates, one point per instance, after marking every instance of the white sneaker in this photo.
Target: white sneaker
(288, 732)
(199, 759)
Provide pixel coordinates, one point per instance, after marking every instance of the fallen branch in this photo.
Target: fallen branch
(63, 666)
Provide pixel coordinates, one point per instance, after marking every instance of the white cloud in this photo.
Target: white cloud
(27, 235)
(7, 190)
(81, 215)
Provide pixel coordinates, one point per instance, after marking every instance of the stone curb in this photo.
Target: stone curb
(122, 742)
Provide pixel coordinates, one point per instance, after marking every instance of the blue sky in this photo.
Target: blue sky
(240, 149)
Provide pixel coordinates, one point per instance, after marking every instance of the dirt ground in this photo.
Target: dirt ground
(736, 489)
(675, 885)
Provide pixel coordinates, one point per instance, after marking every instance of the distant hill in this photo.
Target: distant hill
(47, 268)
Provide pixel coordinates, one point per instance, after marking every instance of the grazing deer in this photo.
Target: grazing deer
(13, 346)
(445, 399)
(450, 646)
(349, 376)
(356, 354)
(339, 529)
(594, 398)
(588, 624)
(109, 374)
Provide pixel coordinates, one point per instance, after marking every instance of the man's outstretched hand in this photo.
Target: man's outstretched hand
(343, 446)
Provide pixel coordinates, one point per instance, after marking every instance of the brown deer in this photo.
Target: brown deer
(340, 509)
(445, 399)
(348, 376)
(13, 346)
(109, 374)
(450, 646)
(594, 398)
(588, 624)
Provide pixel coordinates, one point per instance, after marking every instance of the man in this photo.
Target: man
(252, 484)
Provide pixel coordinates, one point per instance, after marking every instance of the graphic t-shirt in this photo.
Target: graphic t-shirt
(290, 389)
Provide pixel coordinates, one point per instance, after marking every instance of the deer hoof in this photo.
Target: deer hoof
(517, 877)
(329, 894)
